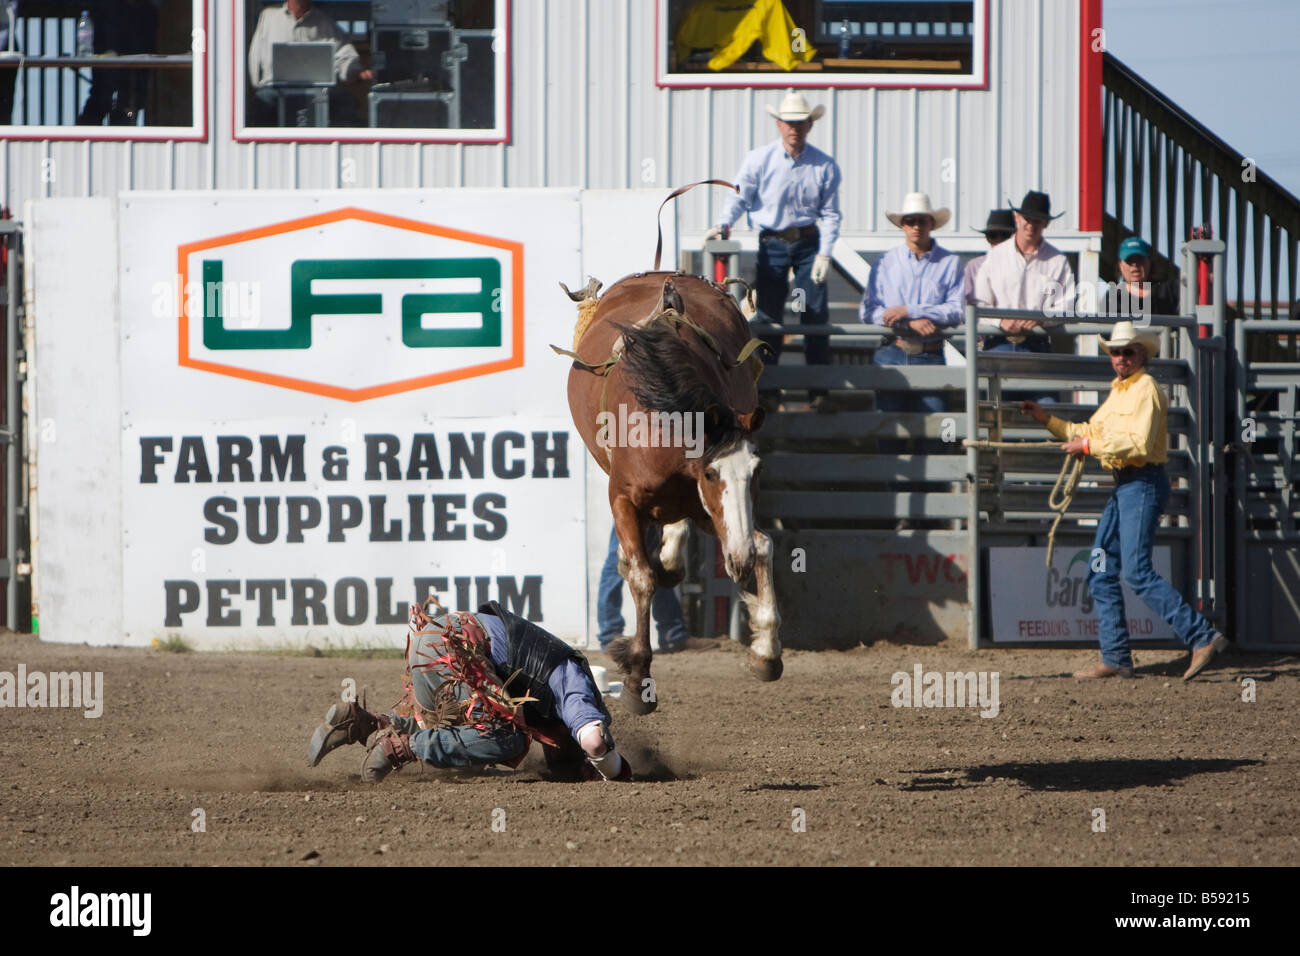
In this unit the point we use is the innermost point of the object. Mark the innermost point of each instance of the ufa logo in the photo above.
(352, 304)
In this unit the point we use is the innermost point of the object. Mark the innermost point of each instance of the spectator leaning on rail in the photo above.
(916, 291)
(1028, 273)
(1128, 434)
(1135, 295)
(791, 191)
(998, 229)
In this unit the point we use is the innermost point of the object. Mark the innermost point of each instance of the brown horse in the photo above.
(672, 353)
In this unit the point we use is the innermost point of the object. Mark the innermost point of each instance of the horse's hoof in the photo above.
(763, 668)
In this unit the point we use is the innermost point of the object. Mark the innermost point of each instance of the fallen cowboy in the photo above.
(478, 689)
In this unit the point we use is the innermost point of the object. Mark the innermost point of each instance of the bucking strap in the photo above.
(659, 243)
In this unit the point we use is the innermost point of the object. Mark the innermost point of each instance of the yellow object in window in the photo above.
(730, 28)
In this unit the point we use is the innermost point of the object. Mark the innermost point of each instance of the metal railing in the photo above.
(1014, 497)
(1163, 173)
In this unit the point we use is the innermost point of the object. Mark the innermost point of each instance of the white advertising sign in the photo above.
(273, 528)
(279, 417)
(1031, 602)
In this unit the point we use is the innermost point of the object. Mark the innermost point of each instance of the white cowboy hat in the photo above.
(918, 204)
(795, 108)
(1126, 333)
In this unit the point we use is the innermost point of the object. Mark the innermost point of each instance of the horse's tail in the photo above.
(587, 300)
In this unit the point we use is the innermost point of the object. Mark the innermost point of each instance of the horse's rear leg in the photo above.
(764, 658)
(633, 655)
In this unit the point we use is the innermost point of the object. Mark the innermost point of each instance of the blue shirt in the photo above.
(930, 287)
(779, 192)
(573, 691)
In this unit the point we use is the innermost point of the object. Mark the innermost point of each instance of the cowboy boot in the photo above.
(386, 750)
(347, 722)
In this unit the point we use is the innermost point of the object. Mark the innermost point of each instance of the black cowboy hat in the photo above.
(1036, 205)
(1000, 222)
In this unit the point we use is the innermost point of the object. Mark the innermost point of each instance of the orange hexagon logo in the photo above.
(352, 304)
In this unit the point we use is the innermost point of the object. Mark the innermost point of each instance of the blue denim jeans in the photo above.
(908, 401)
(1126, 535)
(665, 608)
(461, 746)
(775, 258)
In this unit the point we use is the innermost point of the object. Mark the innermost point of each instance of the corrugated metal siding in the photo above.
(585, 112)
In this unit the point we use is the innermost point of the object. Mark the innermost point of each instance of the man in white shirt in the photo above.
(1028, 273)
(299, 22)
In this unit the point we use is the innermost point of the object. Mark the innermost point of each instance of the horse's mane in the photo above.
(661, 374)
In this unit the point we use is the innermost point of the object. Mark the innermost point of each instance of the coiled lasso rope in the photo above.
(1067, 482)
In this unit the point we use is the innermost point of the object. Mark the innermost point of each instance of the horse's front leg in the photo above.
(633, 655)
(764, 658)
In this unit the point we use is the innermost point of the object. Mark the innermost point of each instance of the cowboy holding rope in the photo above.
(1128, 434)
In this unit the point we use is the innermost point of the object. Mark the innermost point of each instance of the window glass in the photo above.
(822, 42)
(353, 69)
(105, 69)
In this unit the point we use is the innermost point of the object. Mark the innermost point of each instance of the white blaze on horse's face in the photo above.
(725, 492)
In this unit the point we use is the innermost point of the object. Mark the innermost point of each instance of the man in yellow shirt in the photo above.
(1128, 434)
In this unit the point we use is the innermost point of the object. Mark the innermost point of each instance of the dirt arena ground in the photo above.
(1185, 774)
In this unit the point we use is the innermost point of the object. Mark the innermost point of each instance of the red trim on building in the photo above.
(1091, 49)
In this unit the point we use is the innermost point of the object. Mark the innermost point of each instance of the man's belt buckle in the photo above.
(910, 346)
(1016, 339)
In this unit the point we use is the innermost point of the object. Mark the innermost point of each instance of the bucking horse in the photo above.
(658, 345)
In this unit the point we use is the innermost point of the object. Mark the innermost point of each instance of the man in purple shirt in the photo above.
(791, 192)
(916, 291)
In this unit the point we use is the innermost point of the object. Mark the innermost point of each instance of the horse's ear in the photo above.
(712, 418)
(753, 421)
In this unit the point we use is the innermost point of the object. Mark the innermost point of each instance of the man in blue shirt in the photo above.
(916, 291)
(791, 192)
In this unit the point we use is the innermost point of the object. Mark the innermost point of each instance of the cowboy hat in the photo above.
(1126, 333)
(794, 108)
(918, 204)
(1035, 205)
(999, 223)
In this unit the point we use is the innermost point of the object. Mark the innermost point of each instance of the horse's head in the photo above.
(727, 478)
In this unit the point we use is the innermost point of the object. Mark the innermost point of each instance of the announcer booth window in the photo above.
(836, 43)
(372, 70)
(103, 69)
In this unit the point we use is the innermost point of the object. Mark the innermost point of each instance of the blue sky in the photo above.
(1232, 64)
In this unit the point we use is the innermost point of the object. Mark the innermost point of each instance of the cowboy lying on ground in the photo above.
(478, 689)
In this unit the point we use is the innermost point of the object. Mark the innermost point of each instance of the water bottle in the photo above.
(85, 35)
(844, 39)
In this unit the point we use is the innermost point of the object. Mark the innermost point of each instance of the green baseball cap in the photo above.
(1133, 246)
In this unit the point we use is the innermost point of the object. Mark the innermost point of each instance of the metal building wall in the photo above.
(585, 111)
